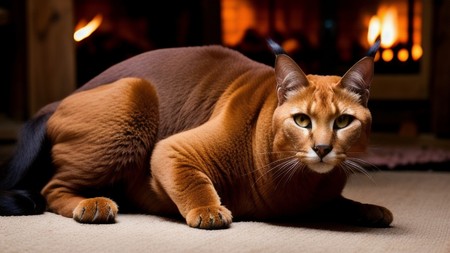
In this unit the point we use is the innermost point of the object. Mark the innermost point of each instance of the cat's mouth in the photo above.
(321, 167)
(323, 164)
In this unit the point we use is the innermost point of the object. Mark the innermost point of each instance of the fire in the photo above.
(386, 27)
(392, 29)
(374, 29)
(83, 30)
(389, 28)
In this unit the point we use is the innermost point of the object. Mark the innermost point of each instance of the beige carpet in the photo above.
(420, 202)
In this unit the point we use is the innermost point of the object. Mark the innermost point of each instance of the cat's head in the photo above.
(320, 120)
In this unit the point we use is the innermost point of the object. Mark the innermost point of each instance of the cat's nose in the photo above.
(322, 150)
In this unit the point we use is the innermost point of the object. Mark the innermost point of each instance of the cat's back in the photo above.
(188, 80)
(189, 65)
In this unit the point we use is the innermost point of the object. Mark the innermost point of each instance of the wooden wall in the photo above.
(440, 95)
(51, 53)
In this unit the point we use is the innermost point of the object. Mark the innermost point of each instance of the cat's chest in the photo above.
(285, 198)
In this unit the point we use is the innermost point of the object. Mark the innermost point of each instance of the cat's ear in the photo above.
(289, 76)
(358, 79)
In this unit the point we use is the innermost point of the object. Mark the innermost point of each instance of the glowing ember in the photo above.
(85, 30)
(416, 52)
(387, 55)
(403, 55)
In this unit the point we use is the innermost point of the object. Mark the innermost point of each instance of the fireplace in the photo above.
(324, 37)
(125, 28)
(328, 36)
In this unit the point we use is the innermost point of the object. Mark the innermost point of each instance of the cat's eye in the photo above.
(302, 120)
(343, 121)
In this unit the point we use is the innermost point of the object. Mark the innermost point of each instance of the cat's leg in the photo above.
(102, 140)
(68, 202)
(182, 174)
(360, 214)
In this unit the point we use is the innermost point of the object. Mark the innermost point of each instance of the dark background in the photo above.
(327, 43)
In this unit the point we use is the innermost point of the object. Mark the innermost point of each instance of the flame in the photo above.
(389, 28)
(385, 26)
(83, 30)
(374, 29)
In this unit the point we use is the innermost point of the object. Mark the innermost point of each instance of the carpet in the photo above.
(420, 202)
(393, 152)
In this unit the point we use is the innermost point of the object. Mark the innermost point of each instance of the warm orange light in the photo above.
(387, 55)
(403, 55)
(237, 17)
(88, 29)
(290, 45)
(377, 56)
(374, 29)
(389, 28)
(416, 52)
(385, 25)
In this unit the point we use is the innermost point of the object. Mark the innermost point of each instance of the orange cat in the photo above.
(203, 132)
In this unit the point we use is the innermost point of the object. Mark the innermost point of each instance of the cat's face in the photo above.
(320, 120)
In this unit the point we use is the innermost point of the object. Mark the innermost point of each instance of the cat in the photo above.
(202, 133)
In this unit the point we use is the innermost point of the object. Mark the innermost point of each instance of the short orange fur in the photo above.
(211, 135)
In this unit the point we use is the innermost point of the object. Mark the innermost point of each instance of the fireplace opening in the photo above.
(328, 37)
(324, 37)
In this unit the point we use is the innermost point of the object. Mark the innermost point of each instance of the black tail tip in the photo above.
(276, 48)
(21, 202)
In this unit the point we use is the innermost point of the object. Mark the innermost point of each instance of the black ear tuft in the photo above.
(276, 48)
(374, 48)
(288, 74)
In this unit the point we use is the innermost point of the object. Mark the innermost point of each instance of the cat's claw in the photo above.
(209, 217)
(96, 210)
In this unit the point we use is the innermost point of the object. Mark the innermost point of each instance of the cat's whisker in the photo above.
(285, 171)
(354, 167)
(295, 168)
(281, 160)
(364, 163)
(277, 152)
(268, 168)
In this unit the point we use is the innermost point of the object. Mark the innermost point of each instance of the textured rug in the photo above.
(420, 202)
(393, 152)
(408, 157)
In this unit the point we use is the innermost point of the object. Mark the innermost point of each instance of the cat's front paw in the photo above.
(374, 216)
(96, 210)
(209, 217)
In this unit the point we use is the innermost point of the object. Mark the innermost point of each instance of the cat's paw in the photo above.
(209, 217)
(374, 216)
(96, 210)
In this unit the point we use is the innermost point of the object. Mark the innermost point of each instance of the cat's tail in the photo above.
(26, 172)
